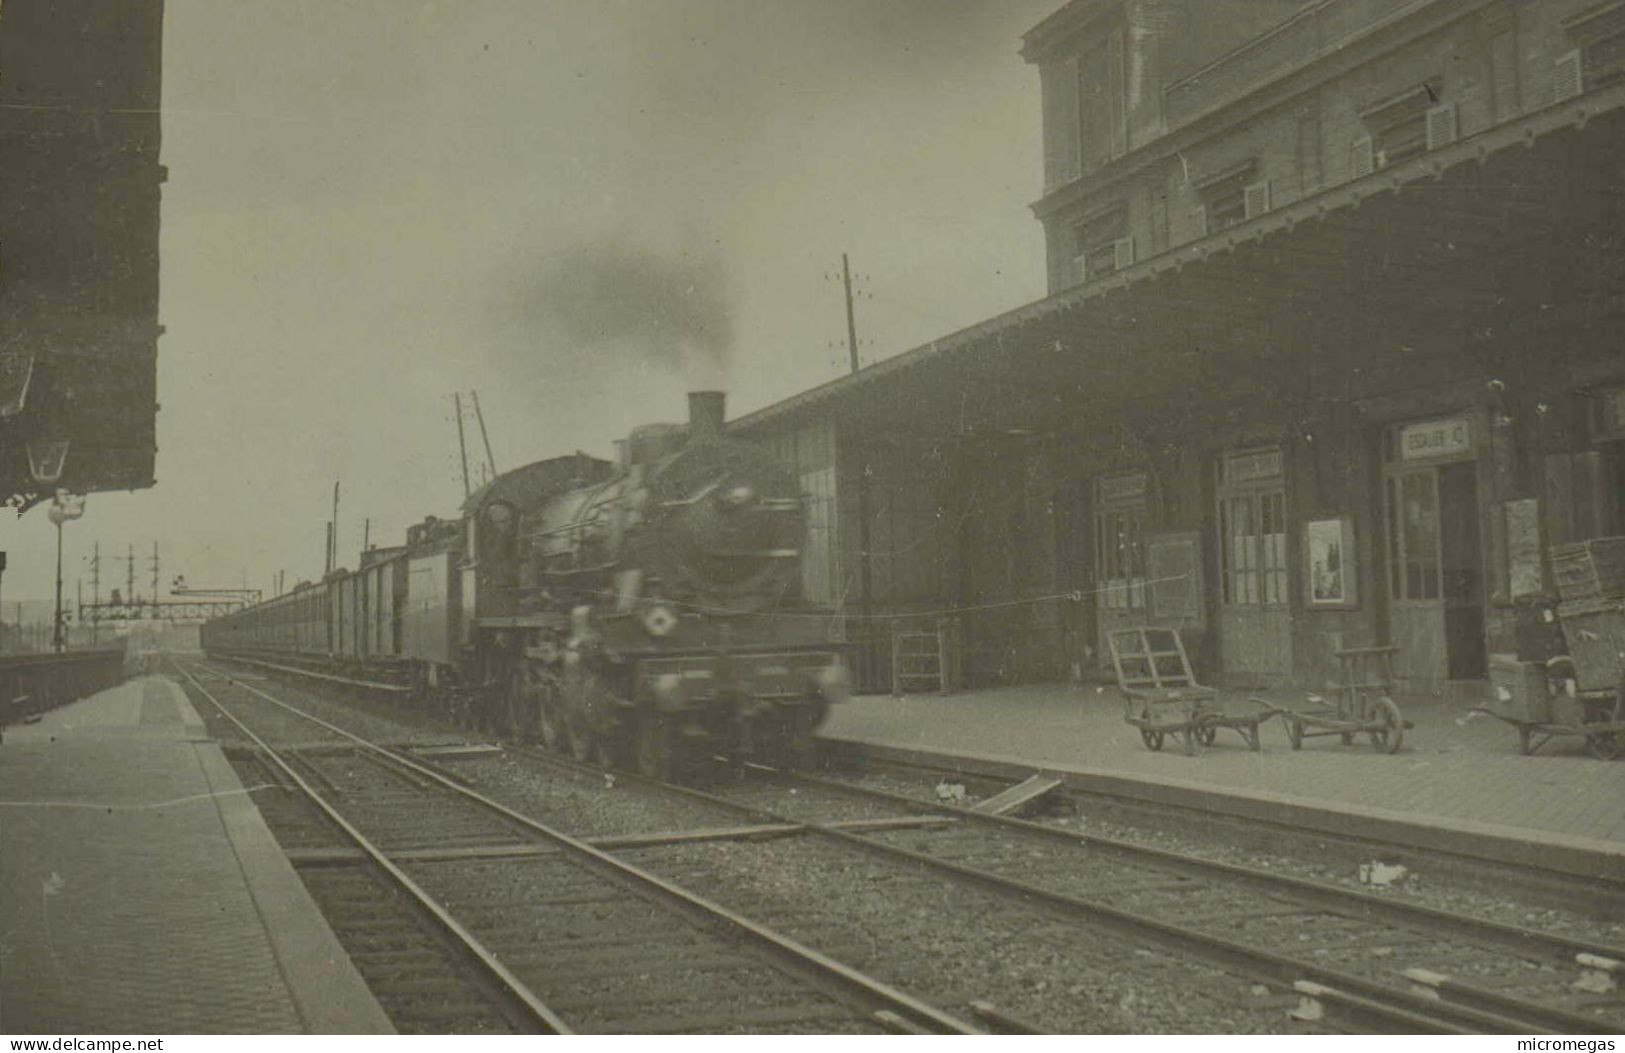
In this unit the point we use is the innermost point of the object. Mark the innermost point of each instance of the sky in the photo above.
(580, 209)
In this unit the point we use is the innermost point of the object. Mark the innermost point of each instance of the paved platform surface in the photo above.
(1454, 770)
(141, 892)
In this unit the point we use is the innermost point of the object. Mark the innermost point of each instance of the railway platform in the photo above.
(141, 892)
(1458, 782)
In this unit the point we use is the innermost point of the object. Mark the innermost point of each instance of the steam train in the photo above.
(645, 612)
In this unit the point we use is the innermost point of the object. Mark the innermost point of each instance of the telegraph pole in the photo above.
(490, 461)
(462, 445)
(129, 585)
(864, 571)
(95, 594)
(155, 576)
(333, 560)
(851, 325)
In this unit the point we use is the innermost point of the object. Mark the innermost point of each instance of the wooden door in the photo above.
(1255, 615)
(1416, 611)
(1122, 515)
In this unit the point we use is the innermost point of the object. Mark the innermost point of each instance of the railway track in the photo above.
(1370, 961)
(561, 935)
(1344, 949)
(1121, 807)
(1356, 960)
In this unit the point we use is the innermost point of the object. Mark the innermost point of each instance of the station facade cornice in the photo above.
(1280, 87)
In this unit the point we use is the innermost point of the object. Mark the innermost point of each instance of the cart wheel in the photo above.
(1390, 729)
(1152, 739)
(1603, 745)
(1206, 733)
(1526, 739)
(1294, 733)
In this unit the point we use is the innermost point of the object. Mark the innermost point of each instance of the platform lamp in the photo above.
(64, 506)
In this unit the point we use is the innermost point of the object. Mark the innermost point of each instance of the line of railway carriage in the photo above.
(647, 611)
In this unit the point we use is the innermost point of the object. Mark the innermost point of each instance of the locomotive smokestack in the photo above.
(707, 410)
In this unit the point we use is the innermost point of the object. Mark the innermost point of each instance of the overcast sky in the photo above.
(579, 208)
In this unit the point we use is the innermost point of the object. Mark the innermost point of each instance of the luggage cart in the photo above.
(1591, 701)
(1362, 704)
(1162, 698)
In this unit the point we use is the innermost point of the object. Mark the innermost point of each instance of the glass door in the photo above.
(1435, 570)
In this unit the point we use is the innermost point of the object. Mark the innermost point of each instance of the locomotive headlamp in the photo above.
(740, 496)
(833, 683)
(659, 620)
(668, 691)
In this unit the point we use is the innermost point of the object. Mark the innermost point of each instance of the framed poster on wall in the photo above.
(1332, 578)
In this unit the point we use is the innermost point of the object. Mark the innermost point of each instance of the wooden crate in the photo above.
(1589, 569)
(1520, 689)
(1595, 633)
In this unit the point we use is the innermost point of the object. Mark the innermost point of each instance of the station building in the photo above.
(1333, 353)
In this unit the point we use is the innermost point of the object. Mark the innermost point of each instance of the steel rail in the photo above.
(512, 987)
(293, 670)
(1408, 1011)
(1604, 890)
(1471, 1003)
(1371, 906)
(850, 979)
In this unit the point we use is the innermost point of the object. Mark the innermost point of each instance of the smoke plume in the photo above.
(670, 311)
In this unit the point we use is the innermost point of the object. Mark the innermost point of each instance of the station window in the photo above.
(1122, 503)
(1100, 245)
(1253, 529)
(1224, 197)
(1600, 56)
(1399, 123)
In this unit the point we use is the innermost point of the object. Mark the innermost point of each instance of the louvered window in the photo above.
(1599, 58)
(1362, 157)
(1568, 76)
(1441, 125)
(1256, 199)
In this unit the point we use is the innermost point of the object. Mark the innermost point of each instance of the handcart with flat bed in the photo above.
(1362, 703)
(1580, 693)
(1163, 699)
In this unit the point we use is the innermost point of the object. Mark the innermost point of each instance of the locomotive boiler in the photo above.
(650, 610)
(645, 610)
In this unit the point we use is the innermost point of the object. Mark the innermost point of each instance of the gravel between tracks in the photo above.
(1415, 887)
(954, 945)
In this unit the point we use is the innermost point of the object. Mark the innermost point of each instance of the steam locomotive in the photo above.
(645, 612)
